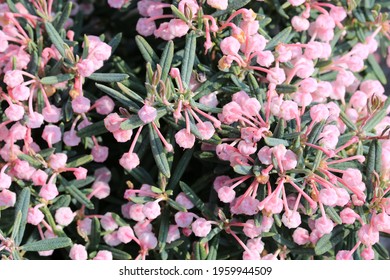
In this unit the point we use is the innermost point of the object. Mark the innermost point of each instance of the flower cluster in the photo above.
(271, 136)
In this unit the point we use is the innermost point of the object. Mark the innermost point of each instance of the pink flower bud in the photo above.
(78, 252)
(136, 212)
(81, 104)
(71, 139)
(145, 27)
(209, 100)
(338, 13)
(84, 226)
(324, 225)
(112, 239)
(13, 78)
(178, 27)
(147, 114)
(368, 254)
(319, 112)
(184, 201)
(64, 216)
(265, 58)
(191, 4)
(108, 222)
(51, 114)
(276, 76)
(7, 198)
(226, 194)
(265, 155)
(5, 181)
(58, 161)
(80, 173)
(104, 105)
(122, 136)
(129, 161)
(103, 255)
(299, 23)
(328, 197)
(184, 219)
(206, 129)
(201, 227)
(344, 255)
(296, 2)
(35, 120)
(184, 139)
(251, 255)
(348, 216)
(151, 210)
(230, 46)
(101, 189)
(291, 219)
(251, 230)
(34, 216)
(301, 236)
(14, 112)
(148, 240)
(21, 92)
(368, 235)
(99, 153)
(173, 234)
(39, 177)
(125, 234)
(49, 191)
(51, 134)
(117, 4)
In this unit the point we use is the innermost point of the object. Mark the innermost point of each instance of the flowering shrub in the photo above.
(238, 130)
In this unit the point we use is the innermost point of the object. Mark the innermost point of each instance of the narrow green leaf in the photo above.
(16, 225)
(188, 58)
(199, 251)
(166, 60)
(377, 69)
(164, 227)
(65, 15)
(31, 160)
(115, 41)
(180, 169)
(108, 77)
(117, 95)
(374, 120)
(347, 121)
(195, 199)
(94, 237)
(214, 232)
(159, 154)
(51, 80)
(270, 141)
(332, 213)
(55, 38)
(79, 196)
(141, 175)
(243, 169)
(213, 248)
(80, 161)
(22, 206)
(284, 88)
(329, 241)
(130, 93)
(147, 51)
(178, 13)
(94, 129)
(176, 205)
(381, 251)
(61, 201)
(141, 199)
(281, 37)
(47, 244)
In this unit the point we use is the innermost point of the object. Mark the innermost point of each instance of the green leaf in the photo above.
(178, 13)
(79, 196)
(180, 169)
(347, 121)
(61, 201)
(374, 120)
(381, 251)
(166, 60)
(114, 42)
(116, 253)
(80, 161)
(176, 205)
(130, 93)
(284, 88)
(270, 141)
(199, 251)
(377, 69)
(332, 213)
(141, 199)
(213, 248)
(94, 237)
(159, 154)
(188, 58)
(65, 15)
(108, 77)
(16, 225)
(47, 244)
(22, 206)
(31, 160)
(373, 163)
(283, 241)
(141, 175)
(94, 129)
(164, 227)
(55, 38)
(242, 169)
(214, 232)
(51, 80)
(329, 241)
(281, 37)
(195, 199)
(118, 96)
(147, 51)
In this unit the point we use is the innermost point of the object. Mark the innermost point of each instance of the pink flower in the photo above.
(125, 234)
(296, 2)
(104, 105)
(184, 219)
(64, 216)
(148, 240)
(145, 27)
(344, 255)
(299, 23)
(51, 134)
(151, 210)
(178, 27)
(5, 181)
(35, 216)
(108, 223)
(319, 112)
(58, 161)
(218, 4)
(184, 139)
(226, 194)
(13, 78)
(301, 236)
(328, 197)
(51, 114)
(201, 227)
(147, 114)
(14, 112)
(39, 177)
(81, 104)
(99, 153)
(184, 201)
(324, 225)
(7, 198)
(251, 230)
(368, 235)
(48, 191)
(117, 4)
(78, 252)
(101, 189)
(206, 129)
(291, 219)
(230, 46)
(129, 161)
(136, 212)
(21, 92)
